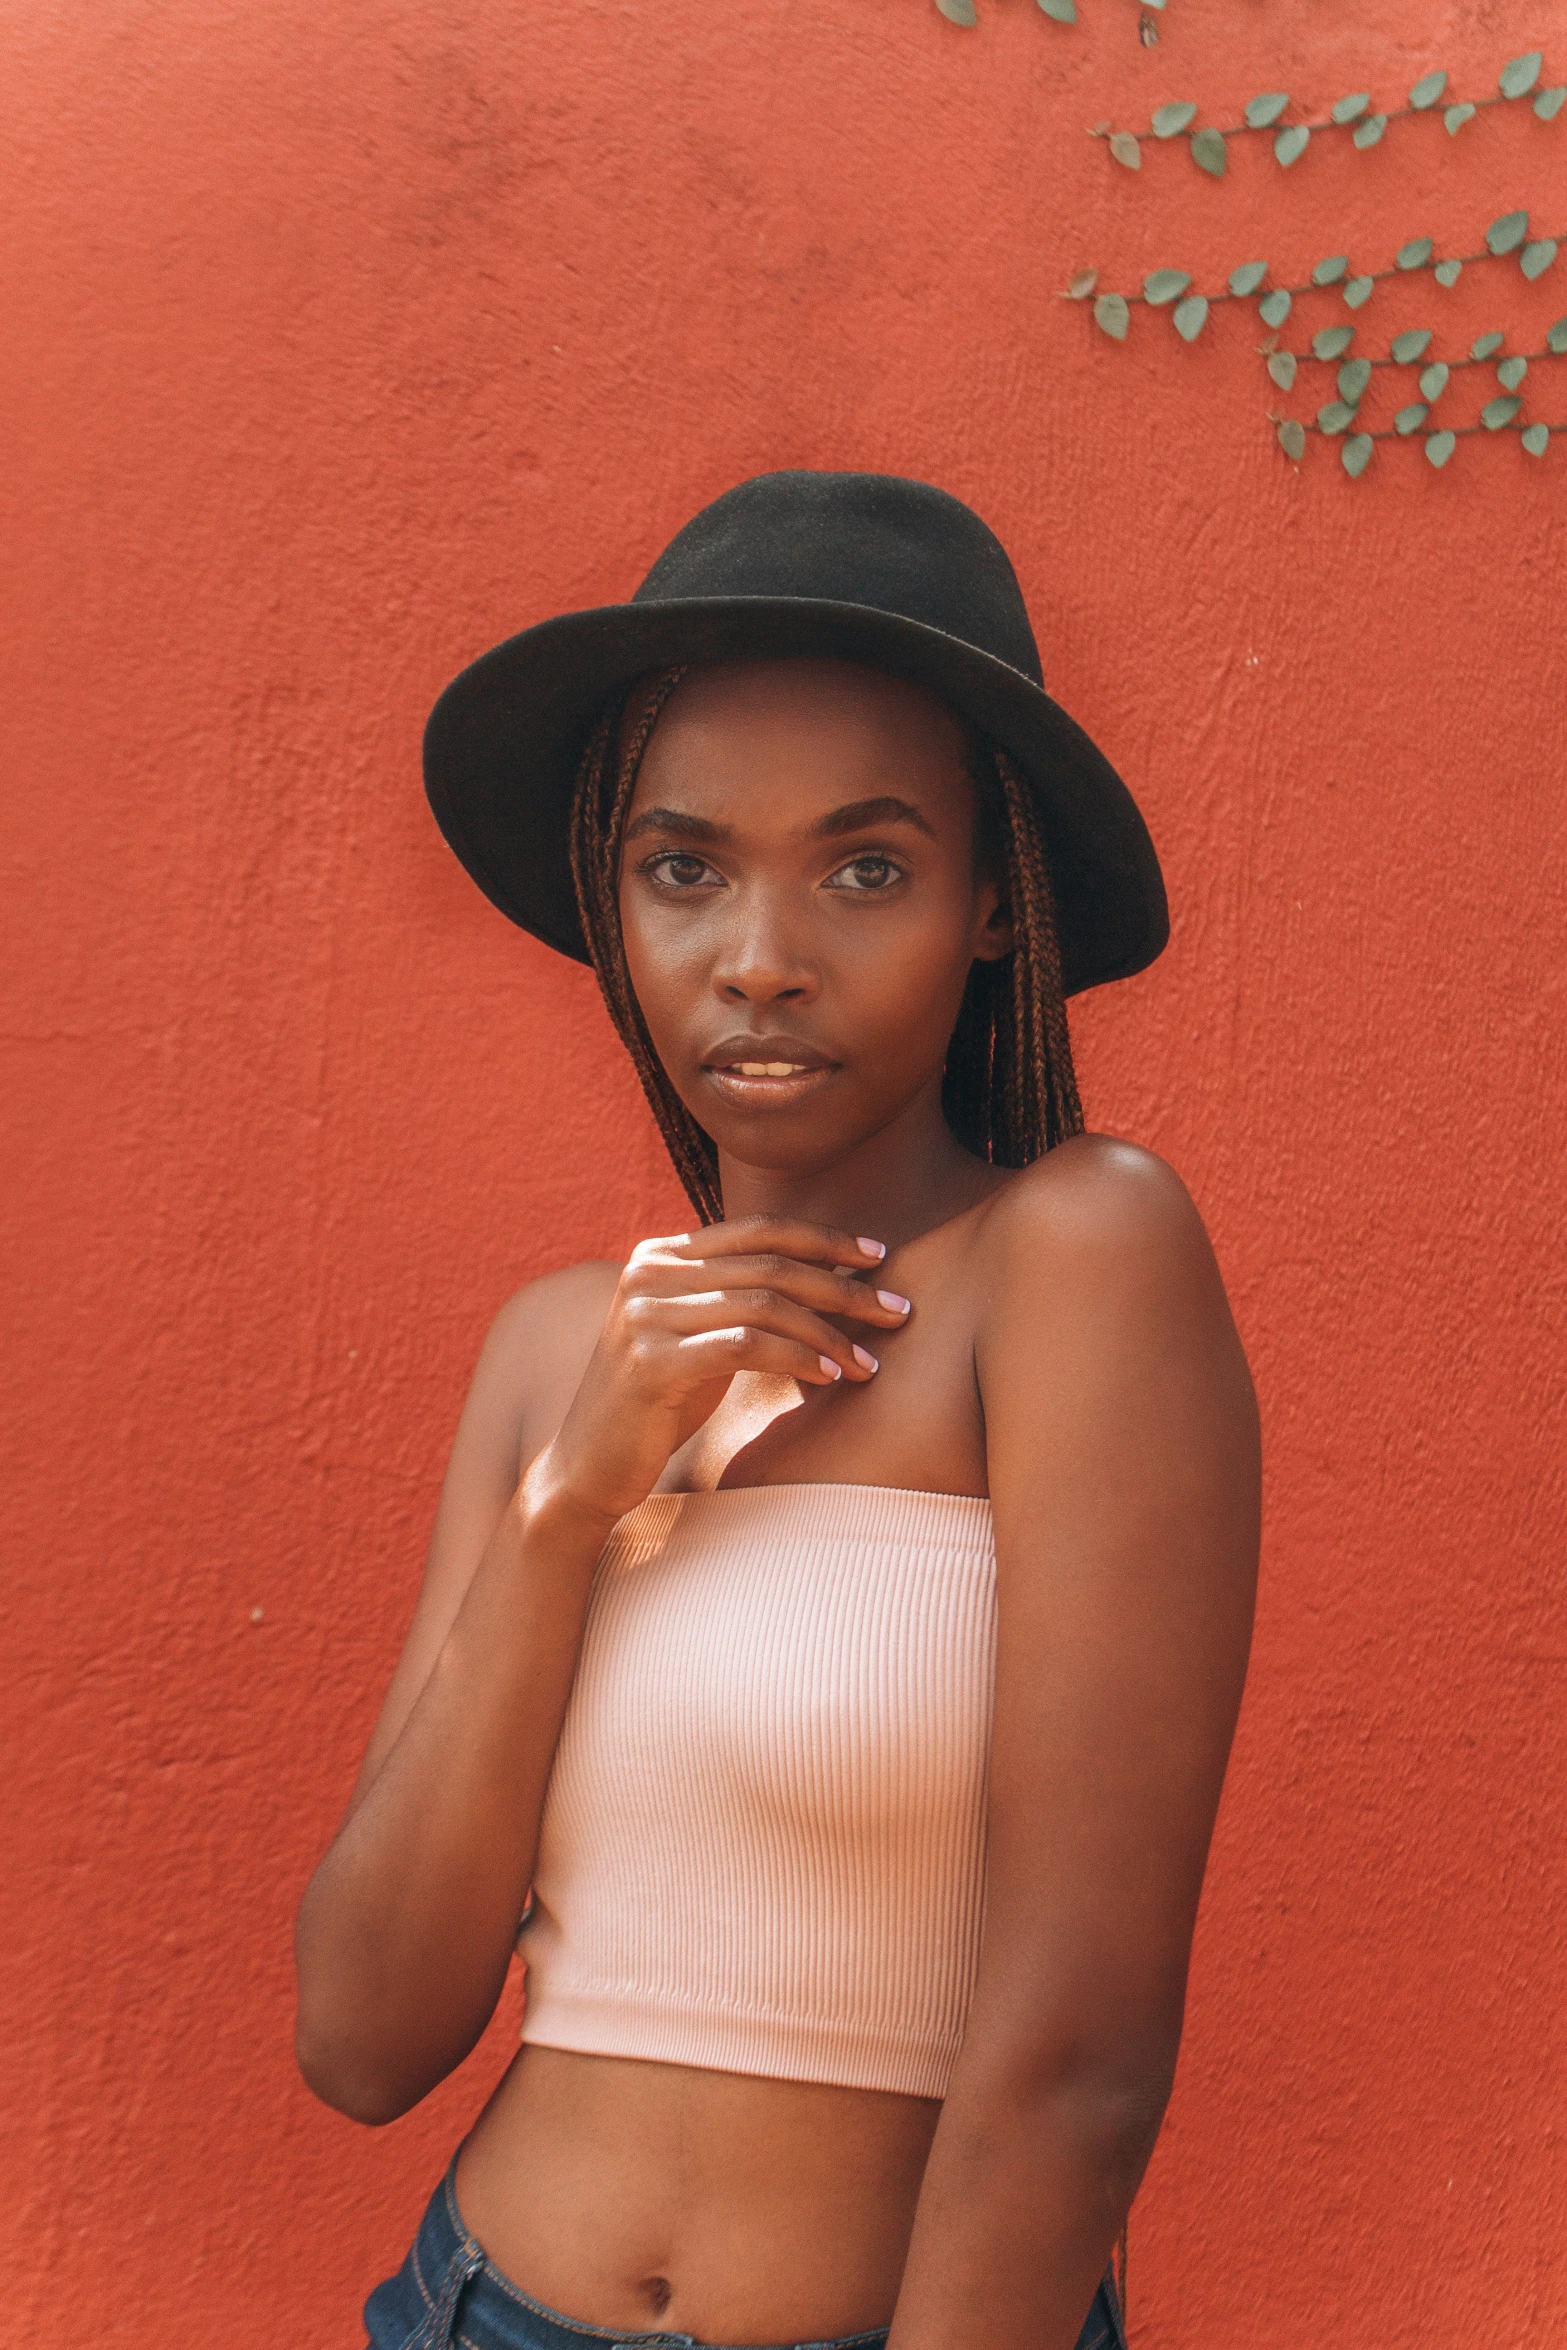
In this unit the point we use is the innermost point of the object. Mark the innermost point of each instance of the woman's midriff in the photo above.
(732, 2208)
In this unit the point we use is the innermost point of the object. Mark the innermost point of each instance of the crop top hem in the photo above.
(609, 2020)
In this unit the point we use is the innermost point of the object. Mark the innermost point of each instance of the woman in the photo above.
(837, 1615)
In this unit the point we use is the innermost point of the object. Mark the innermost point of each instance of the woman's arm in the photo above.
(1121, 1433)
(407, 1927)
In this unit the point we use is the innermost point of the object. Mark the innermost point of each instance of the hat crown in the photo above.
(872, 539)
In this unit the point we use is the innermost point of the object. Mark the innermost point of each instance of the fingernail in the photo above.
(873, 1248)
(865, 1361)
(832, 1369)
(892, 1301)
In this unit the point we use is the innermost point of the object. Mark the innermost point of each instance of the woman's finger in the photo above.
(718, 1354)
(755, 1309)
(785, 1236)
(821, 1288)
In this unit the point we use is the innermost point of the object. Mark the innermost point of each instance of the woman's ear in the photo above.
(996, 937)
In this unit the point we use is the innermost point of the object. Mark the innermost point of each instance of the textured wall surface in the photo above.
(345, 340)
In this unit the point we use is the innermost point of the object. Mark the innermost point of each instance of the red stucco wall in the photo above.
(347, 339)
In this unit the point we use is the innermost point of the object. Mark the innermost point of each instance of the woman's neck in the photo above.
(911, 1176)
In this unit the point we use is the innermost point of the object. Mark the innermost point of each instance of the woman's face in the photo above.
(801, 904)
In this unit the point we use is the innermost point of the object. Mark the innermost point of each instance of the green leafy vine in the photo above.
(1172, 288)
(1331, 346)
(1354, 114)
(963, 12)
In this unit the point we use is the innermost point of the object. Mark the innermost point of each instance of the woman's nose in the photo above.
(763, 960)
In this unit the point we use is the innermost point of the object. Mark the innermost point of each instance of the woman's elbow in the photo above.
(349, 2082)
(1108, 2094)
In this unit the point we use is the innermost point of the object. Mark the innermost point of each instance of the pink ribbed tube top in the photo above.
(763, 1840)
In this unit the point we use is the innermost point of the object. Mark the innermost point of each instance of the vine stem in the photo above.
(1311, 286)
(1261, 130)
(1310, 358)
(1460, 432)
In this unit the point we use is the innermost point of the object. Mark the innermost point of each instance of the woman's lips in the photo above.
(767, 1083)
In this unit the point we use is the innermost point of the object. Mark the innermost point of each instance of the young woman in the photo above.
(837, 1614)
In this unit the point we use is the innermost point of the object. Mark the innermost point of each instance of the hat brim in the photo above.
(504, 742)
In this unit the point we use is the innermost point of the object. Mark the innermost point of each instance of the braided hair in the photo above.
(1008, 1090)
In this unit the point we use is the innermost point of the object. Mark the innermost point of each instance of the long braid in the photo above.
(1008, 1091)
(1045, 1107)
(598, 824)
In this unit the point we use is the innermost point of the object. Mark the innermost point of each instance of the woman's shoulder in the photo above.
(1102, 1210)
(1092, 1182)
(539, 1342)
(562, 1303)
(1102, 1308)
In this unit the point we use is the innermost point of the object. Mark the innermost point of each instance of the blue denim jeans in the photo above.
(447, 2296)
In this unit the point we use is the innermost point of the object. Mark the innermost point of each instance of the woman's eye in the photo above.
(679, 869)
(866, 876)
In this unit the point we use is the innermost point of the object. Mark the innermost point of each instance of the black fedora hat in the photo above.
(867, 567)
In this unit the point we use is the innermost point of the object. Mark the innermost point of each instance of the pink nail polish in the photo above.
(892, 1301)
(865, 1361)
(873, 1248)
(832, 1369)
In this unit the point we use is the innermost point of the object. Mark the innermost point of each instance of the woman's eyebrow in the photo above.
(859, 813)
(674, 820)
(854, 816)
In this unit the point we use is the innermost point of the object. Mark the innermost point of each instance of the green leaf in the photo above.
(1126, 150)
(1248, 277)
(1535, 259)
(1519, 74)
(1499, 412)
(1111, 313)
(1346, 109)
(1082, 285)
(1536, 439)
(1440, 446)
(1274, 307)
(1433, 380)
(1291, 142)
(1548, 106)
(1169, 121)
(1415, 254)
(1367, 133)
(1163, 285)
(957, 11)
(1358, 290)
(1556, 336)
(1410, 419)
(1335, 416)
(1353, 378)
(1355, 455)
(1266, 109)
(1456, 116)
(1427, 91)
(1281, 366)
(1328, 273)
(1484, 345)
(1292, 438)
(1060, 11)
(1512, 371)
(1448, 273)
(1331, 342)
(1208, 149)
(1189, 316)
(1410, 346)
(1507, 232)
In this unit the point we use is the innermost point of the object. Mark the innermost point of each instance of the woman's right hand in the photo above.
(688, 1313)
